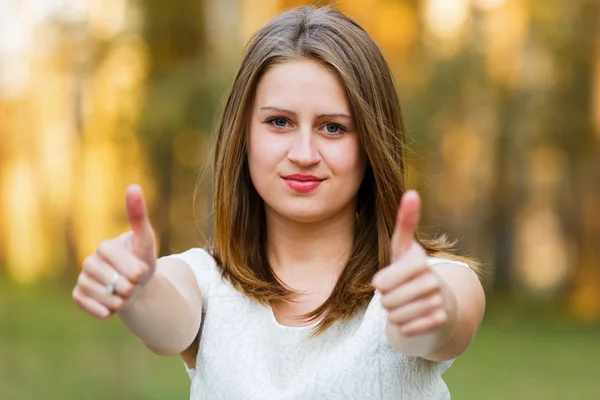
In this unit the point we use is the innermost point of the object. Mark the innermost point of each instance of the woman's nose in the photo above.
(303, 149)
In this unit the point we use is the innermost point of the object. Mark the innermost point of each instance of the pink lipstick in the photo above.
(302, 183)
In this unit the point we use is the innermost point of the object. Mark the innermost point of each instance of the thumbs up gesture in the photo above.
(120, 267)
(415, 296)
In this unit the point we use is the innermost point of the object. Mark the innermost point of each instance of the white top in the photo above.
(245, 353)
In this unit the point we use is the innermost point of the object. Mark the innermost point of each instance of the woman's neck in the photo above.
(301, 252)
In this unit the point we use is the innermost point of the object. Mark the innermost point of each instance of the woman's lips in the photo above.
(302, 186)
(302, 183)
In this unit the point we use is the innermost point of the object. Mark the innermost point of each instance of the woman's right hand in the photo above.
(116, 273)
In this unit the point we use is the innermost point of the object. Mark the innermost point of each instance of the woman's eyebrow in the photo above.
(283, 110)
(328, 115)
(335, 115)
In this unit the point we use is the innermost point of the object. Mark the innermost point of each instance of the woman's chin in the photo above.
(308, 212)
(301, 216)
(305, 217)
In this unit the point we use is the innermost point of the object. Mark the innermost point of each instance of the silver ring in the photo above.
(110, 288)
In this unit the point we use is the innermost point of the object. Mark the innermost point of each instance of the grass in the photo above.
(528, 360)
(49, 349)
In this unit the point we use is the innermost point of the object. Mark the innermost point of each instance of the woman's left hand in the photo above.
(417, 299)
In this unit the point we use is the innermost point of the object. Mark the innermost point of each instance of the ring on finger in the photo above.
(110, 288)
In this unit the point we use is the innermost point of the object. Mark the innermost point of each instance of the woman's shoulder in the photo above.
(431, 261)
(194, 255)
(197, 258)
(203, 265)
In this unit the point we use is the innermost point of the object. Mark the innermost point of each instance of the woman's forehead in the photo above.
(302, 84)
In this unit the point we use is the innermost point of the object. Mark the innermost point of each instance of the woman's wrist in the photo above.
(141, 295)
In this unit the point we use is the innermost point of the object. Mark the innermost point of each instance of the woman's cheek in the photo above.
(346, 161)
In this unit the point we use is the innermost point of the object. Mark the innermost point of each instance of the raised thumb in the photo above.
(143, 237)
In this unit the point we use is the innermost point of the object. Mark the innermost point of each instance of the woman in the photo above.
(316, 286)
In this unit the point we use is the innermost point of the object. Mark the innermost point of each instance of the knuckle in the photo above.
(106, 316)
(104, 247)
(440, 317)
(138, 271)
(437, 300)
(386, 301)
(86, 281)
(118, 303)
(142, 266)
(127, 291)
(393, 319)
(85, 284)
(101, 247)
(81, 280)
(432, 283)
(137, 275)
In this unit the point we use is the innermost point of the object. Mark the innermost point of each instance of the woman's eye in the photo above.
(333, 129)
(278, 122)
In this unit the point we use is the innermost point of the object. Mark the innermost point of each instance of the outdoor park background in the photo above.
(502, 104)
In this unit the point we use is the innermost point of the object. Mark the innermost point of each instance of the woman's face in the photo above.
(304, 154)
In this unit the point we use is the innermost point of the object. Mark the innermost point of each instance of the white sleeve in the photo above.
(204, 267)
(431, 261)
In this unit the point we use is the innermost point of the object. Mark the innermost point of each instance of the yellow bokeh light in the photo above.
(445, 19)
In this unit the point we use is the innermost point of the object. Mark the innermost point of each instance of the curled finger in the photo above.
(426, 283)
(120, 257)
(99, 292)
(416, 309)
(425, 324)
(91, 306)
(98, 269)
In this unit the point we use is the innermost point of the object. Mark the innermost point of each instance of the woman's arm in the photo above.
(158, 300)
(166, 314)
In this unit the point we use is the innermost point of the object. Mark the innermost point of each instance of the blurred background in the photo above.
(501, 100)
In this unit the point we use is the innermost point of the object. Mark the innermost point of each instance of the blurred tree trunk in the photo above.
(174, 34)
(581, 137)
(502, 198)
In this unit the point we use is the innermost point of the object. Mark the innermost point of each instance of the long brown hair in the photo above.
(239, 247)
